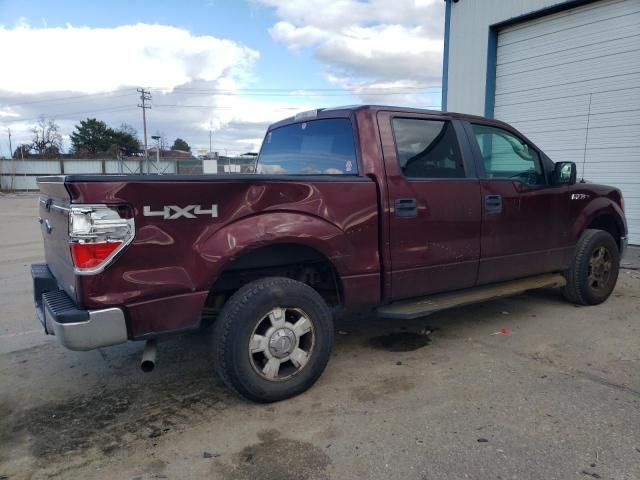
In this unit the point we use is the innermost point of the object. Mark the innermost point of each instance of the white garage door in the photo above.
(571, 82)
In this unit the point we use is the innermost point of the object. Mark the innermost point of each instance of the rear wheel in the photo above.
(594, 272)
(273, 339)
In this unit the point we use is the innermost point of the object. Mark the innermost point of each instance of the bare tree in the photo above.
(46, 137)
(126, 128)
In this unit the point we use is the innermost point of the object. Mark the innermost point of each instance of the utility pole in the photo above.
(145, 96)
(10, 148)
(210, 148)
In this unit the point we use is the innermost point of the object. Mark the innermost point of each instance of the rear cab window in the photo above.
(316, 147)
(427, 148)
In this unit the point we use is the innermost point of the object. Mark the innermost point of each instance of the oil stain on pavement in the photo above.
(110, 419)
(400, 341)
(275, 456)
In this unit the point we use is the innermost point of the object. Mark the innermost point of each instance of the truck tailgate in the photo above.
(54, 224)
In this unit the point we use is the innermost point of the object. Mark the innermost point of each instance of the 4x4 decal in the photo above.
(172, 212)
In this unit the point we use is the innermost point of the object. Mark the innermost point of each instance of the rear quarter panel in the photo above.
(181, 258)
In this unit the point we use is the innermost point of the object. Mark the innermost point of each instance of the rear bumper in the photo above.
(74, 327)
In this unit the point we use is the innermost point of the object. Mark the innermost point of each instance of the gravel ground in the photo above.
(436, 398)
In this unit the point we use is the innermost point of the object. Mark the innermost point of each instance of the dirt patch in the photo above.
(277, 457)
(111, 419)
(400, 341)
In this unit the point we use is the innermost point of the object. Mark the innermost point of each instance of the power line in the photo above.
(67, 115)
(50, 100)
(212, 107)
(305, 89)
(249, 92)
(73, 115)
(294, 94)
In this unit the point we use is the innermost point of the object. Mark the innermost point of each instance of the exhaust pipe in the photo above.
(148, 361)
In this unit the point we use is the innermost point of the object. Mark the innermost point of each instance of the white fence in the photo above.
(22, 174)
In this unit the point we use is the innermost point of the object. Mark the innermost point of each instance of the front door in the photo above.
(434, 204)
(524, 230)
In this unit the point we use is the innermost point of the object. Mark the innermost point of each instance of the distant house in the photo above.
(565, 73)
(169, 154)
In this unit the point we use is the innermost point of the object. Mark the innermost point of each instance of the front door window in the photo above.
(506, 156)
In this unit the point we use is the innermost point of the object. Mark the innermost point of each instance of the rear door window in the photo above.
(427, 148)
(317, 147)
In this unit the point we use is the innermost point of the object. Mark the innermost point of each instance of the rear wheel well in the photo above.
(609, 224)
(295, 261)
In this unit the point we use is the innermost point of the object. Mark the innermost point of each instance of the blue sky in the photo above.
(245, 22)
(211, 64)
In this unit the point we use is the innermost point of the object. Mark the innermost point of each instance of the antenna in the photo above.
(586, 138)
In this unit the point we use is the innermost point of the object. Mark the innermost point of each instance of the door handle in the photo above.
(406, 207)
(493, 204)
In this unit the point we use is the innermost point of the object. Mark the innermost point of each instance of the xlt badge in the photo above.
(579, 196)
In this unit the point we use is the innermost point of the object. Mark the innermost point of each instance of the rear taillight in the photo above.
(96, 234)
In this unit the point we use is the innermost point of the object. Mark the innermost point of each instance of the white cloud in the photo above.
(72, 73)
(298, 37)
(90, 60)
(93, 72)
(388, 52)
(366, 43)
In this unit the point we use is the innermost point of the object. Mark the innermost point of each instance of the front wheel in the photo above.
(594, 271)
(273, 339)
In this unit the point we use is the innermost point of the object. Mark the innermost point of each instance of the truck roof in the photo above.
(348, 110)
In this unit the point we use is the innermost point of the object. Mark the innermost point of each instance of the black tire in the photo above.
(252, 307)
(587, 282)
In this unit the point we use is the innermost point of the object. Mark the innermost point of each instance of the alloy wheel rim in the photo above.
(600, 266)
(281, 343)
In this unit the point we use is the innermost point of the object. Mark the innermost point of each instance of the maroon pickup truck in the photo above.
(398, 210)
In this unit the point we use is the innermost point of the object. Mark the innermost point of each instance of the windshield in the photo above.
(316, 147)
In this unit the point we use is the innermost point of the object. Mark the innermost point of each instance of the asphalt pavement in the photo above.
(529, 387)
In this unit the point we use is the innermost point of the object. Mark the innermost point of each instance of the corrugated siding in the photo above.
(22, 174)
(126, 167)
(18, 182)
(83, 166)
(470, 21)
(558, 74)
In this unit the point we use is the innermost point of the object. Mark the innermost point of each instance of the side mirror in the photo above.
(564, 173)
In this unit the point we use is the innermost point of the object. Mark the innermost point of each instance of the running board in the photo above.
(421, 307)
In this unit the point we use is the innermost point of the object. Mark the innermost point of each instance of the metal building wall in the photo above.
(468, 39)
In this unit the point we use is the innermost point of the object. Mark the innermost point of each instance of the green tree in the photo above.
(125, 139)
(180, 144)
(91, 136)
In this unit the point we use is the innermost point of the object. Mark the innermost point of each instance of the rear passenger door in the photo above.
(434, 204)
(524, 222)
